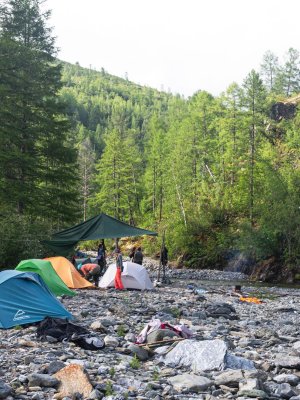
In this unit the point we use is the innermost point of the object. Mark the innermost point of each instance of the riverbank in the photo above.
(260, 344)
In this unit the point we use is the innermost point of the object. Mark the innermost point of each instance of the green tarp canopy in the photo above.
(100, 227)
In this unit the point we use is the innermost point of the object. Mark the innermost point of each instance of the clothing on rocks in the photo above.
(63, 330)
(155, 324)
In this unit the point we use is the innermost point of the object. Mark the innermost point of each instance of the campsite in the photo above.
(149, 200)
(251, 354)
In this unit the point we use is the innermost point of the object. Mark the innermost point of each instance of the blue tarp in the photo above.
(25, 298)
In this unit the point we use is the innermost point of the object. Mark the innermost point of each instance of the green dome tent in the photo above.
(47, 273)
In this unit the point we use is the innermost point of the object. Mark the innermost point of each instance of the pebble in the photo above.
(261, 342)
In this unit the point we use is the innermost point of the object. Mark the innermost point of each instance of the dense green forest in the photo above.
(216, 174)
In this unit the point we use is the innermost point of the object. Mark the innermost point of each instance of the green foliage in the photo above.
(112, 372)
(155, 374)
(121, 331)
(215, 174)
(135, 362)
(37, 155)
(176, 312)
(109, 389)
(20, 239)
(18, 327)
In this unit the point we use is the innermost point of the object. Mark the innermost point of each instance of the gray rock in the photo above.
(249, 384)
(287, 361)
(287, 378)
(141, 353)
(55, 366)
(285, 391)
(160, 334)
(5, 390)
(130, 337)
(234, 362)
(189, 383)
(42, 380)
(199, 356)
(229, 378)
(253, 394)
(96, 395)
(111, 341)
(107, 322)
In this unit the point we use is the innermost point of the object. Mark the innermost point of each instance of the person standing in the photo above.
(138, 256)
(131, 254)
(119, 264)
(101, 257)
(164, 256)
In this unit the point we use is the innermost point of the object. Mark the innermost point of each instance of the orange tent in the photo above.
(68, 273)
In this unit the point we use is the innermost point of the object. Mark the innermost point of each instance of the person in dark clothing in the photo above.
(101, 257)
(164, 256)
(131, 254)
(138, 256)
(164, 262)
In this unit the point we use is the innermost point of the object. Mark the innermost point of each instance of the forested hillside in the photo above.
(216, 174)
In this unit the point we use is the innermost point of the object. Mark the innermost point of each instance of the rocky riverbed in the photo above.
(239, 350)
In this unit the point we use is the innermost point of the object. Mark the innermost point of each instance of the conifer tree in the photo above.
(37, 156)
(254, 102)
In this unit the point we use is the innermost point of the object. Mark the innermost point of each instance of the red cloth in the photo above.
(118, 280)
(86, 268)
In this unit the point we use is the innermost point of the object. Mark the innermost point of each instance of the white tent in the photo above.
(134, 276)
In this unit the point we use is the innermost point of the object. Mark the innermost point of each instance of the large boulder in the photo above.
(200, 356)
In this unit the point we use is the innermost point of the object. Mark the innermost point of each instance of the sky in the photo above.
(180, 46)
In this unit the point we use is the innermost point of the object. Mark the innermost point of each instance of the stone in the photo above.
(249, 384)
(96, 395)
(130, 337)
(260, 394)
(108, 322)
(296, 347)
(73, 380)
(287, 378)
(42, 380)
(55, 366)
(161, 334)
(287, 361)
(5, 390)
(234, 362)
(141, 353)
(98, 326)
(199, 356)
(230, 378)
(285, 391)
(111, 341)
(189, 383)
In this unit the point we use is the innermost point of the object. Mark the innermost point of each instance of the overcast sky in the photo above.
(177, 45)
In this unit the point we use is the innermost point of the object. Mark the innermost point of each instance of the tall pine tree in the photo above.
(37, 157)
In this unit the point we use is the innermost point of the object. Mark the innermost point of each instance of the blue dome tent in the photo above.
(25, 298)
